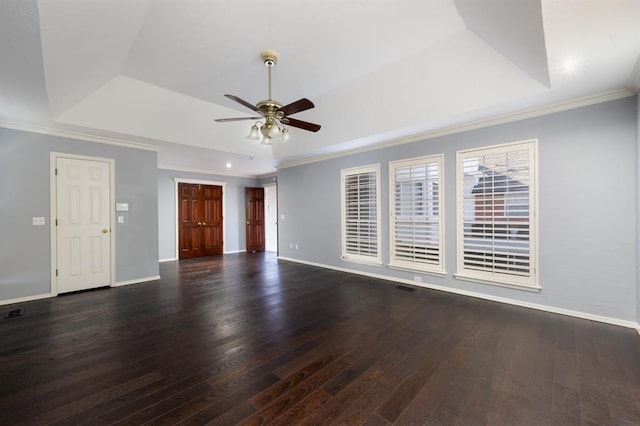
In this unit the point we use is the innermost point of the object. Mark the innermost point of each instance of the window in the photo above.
(496, 217)
(361, 214)
(415, 187)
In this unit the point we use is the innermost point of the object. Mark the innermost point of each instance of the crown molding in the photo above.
(473, 125)
(203, 171)
(633, 84)
(76, 135)
(268, 175)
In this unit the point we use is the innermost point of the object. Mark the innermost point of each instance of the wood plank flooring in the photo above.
(247, 339)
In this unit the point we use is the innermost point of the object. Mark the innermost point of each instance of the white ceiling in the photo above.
(155, 71)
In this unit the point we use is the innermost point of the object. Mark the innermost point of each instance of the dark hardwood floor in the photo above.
(247, 339)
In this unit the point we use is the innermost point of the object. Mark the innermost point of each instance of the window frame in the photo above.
(394, 260)
(530, 282)
(354, 257)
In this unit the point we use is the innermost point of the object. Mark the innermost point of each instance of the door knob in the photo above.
(105, 230)
(247, 222)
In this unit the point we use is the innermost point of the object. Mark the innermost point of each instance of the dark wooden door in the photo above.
(211, 220)
(254, 200)
(199, 220)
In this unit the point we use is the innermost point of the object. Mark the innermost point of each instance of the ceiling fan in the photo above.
(275, 115)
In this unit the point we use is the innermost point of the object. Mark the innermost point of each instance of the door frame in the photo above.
(53, 195)
(271, 185)
(176, 181)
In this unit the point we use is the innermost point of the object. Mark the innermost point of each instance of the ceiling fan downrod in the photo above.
(270, 58)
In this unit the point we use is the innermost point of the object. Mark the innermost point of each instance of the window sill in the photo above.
(362, 261)
(417, 271)
(532, 289)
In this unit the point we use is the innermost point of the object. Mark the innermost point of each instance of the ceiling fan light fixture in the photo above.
(273, 112)
(275, 131)
(253, 133)
(265, 131)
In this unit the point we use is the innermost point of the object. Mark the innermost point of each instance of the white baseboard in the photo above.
(167, 260)
(561, 311)
(26, 299)
(136, 281)
(235, 251)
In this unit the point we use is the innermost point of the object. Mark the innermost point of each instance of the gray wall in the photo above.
(587, 208)
(234, 210)
(638, 201)
(24, 192)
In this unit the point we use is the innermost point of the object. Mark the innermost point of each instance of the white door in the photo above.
(271, 218)
(83, 241)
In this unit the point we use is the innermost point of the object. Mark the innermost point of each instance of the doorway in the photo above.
(271, 218)
(199, 220)
(82, 243)
(254, 215)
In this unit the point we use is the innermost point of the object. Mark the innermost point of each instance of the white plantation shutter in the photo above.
(416, 189)
(496, 226)
(361, 214)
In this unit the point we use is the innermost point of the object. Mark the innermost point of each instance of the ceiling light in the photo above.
(268, 130)
(228, 165)
(272, 113)
(253, 133)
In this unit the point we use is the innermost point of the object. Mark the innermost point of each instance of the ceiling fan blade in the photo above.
(222, 120)
(297, 106)
(243, 102)
(312, 127)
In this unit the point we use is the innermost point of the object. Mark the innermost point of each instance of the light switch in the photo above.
(120, 219)
(281, 217)
(38, 221)
(122, 207)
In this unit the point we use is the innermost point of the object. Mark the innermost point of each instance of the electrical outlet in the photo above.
(418, 279)
(296, 247)
(290, 245)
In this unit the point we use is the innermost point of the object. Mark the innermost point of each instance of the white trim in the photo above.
(269, 175)
(167, 260)
(417, 271)
(176, 181)
(32, 128)
(137, 281)
(358, 258)
(235, 251)
(53, 188)
(403, 264)
(505, 300)
(360, 261)
(478, 124)
(633, 84)
(472, 279)
(200, 181)
(530, 282)
(203, 171)
(26, 299)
